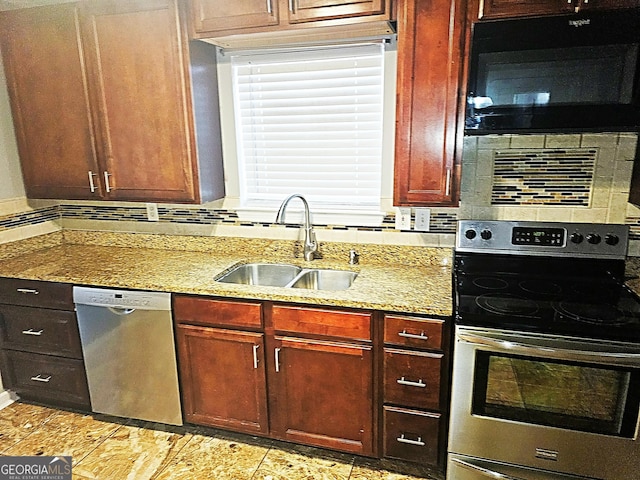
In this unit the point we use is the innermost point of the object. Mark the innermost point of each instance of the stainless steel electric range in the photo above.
(546, 364)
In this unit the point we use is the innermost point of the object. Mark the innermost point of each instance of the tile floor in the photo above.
(107, 448)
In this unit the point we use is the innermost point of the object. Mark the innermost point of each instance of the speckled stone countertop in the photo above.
(391, 278)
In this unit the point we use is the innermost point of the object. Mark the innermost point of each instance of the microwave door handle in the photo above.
(485, 472)
(612, 358)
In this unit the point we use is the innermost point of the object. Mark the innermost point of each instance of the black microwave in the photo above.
(565, 73)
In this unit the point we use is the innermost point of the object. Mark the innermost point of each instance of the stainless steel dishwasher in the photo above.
(129, 353)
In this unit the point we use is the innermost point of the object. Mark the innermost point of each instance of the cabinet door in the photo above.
(313, 10)
(49, 101)
(428, 133)
(606, 4)
(322, 394)
(223, 378)
(217, 16)
(520, 8)
(517, 8)
(136, 56)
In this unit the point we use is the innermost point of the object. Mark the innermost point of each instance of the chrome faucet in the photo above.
(310, 243)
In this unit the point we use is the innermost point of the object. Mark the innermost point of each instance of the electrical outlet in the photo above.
(403, 218)
(152, 212)
(423, 217)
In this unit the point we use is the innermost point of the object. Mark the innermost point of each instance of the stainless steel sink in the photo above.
(288, 276)
(317, 279)
(265, 274)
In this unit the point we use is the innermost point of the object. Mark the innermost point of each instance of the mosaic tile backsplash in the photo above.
(441, 222)
(543, 177)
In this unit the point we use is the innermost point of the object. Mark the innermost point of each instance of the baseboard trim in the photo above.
(7, 398)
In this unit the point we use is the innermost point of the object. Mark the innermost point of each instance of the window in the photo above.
(310, 121)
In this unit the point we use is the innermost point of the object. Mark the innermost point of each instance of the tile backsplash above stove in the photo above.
(555, 177)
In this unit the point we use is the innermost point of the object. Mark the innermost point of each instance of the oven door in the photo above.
(546, 402)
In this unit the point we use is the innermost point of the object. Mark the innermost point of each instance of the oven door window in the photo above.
(585, 397)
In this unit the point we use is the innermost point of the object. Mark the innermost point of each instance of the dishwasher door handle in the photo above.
(121, 310)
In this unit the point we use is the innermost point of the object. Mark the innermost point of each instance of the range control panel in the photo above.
(595, 240)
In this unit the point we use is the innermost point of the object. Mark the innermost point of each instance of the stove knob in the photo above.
(611, 239)
(577, 237)
(486, 234)
(593, 238)
(470, 234)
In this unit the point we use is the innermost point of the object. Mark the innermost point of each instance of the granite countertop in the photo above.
(398, 279)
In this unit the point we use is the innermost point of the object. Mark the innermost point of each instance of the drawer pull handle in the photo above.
(38, 378)
(409, 383)
(422, 336)
(417, 442)
(28, 290)
(31, 331)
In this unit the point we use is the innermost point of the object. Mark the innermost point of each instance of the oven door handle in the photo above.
(483, 470)
(549, 351)
(505, 472)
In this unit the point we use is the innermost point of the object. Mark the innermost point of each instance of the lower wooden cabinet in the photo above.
(41, 356)
(411, 434)
(46, 378)
(223, 378)
(322, 394)
(350, 380)
(415, 389)
(412, 378)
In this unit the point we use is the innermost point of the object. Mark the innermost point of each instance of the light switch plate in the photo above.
(152, 212)
(423, 218)
(403, 218)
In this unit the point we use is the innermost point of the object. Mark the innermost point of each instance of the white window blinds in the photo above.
(310, 122)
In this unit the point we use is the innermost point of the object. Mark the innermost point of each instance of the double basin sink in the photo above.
(288, 276)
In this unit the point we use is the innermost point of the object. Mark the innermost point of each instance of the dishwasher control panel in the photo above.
(102, 297)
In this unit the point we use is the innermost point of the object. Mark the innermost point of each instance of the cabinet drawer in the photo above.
(411, 435)
(40, 330)
(413, 332)
(412, 379)
(224, 313)
(34, 293)
(315, 321)
(47, 378)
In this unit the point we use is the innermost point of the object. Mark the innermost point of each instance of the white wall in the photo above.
(11, 185)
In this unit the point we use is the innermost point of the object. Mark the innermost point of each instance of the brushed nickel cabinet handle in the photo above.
(106, 181)
(28, 291)
(92, 185)
(277, 358)
(31, 331)
(291, 6)
(419, 383)
(255, 356)
(415, 336)
(269, 9)
(447, 188)
(38, 378)
(417, 442)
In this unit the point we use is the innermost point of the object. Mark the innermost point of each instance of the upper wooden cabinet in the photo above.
(102, 103)
(429, 131)
(516, 8)
(211, 18)
(42, 56)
